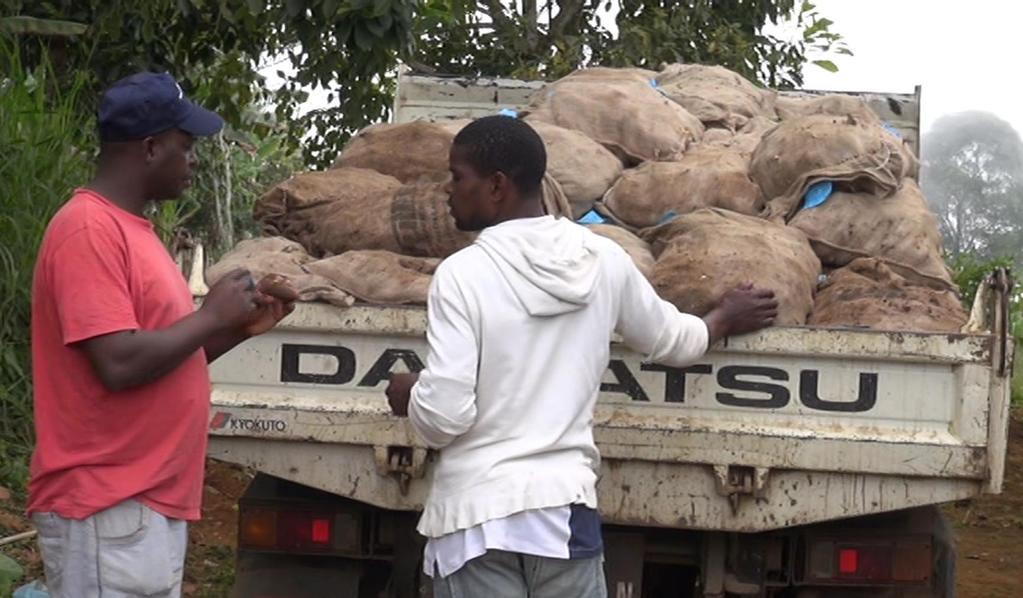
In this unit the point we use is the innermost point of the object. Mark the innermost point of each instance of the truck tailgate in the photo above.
(779, 428)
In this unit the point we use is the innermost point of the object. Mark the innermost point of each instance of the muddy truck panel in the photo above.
(784, 427)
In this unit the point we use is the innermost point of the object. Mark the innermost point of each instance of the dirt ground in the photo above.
(989, 532)
(209, 569)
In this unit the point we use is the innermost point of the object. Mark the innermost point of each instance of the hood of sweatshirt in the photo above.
(551, 263)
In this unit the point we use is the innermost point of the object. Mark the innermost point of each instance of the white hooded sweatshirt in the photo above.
(520, 325)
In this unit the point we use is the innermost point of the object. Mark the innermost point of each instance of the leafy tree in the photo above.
(352, 47)
(216, 47)
(549, 39)
(973, 178)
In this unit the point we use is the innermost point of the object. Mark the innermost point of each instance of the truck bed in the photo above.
(784, 427)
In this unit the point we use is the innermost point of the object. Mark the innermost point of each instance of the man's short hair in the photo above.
(508, 145)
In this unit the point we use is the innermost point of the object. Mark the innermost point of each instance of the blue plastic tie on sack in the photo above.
(817, 194)
(668, 217)
(892, 129)
(591, 217)
(509, 112)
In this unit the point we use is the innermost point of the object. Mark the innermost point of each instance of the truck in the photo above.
(792, 462)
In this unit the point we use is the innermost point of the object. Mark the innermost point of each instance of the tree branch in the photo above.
(568, 11)
(495, 10)
(529, 19)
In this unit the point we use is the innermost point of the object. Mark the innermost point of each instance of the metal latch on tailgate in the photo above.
(990, 314)
(734, 481)
(1002, 283)
(404, 462)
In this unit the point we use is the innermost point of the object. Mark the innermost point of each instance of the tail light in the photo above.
(294, 530)
(870, 561)
(258, 528)
(298, 530)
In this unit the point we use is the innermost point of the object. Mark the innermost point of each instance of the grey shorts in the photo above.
(500, 574)
(125, 551)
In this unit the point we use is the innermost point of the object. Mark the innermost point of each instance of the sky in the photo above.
(965, 55)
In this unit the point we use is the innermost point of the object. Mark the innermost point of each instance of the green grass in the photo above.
(46, 150)
(210, 569)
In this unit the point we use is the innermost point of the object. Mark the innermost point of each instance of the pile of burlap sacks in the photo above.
(701, 174)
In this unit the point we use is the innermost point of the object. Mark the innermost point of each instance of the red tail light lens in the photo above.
(286, 530)
(298, 530)
(321, 531)
(867, 563)
(870, 561)
(848, 561)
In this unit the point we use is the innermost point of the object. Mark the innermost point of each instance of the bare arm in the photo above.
(132, 358)
(223, 342)
(232, 312)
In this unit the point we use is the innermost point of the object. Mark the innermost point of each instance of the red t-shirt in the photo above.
(100, 270)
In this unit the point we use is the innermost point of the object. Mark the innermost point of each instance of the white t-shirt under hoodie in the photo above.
(520, 325)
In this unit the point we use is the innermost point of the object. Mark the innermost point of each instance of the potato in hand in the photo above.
(279, 287)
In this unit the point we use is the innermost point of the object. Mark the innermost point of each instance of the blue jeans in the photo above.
(500, 574)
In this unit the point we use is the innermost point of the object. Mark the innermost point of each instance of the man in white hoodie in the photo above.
(520, 325)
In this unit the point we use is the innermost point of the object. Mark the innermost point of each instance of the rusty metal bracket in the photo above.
(1001, 281)
(735, 481)
(990, 314)
(403, 462)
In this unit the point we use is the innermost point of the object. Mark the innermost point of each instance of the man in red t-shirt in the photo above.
(120, 358)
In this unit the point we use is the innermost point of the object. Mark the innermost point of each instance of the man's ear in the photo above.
(151, 149)
(500, 184)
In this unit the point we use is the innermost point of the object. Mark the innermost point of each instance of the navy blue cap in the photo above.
(147, 104)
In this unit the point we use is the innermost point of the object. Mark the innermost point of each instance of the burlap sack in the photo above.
(584, 168)
(715, 95)
(379, 277)
(629, 117)
(354, 208)
(900, 228)
(717, 136)
(453, 126)
(791, 106)
(553, 198)
(422, 223)
(277, 255)
(744, 141)
(857, 156)
(867, 293)
(603, 73)
(406, 151)
(702, 255)
(705, 177)
(333, 211)
(638, 249)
